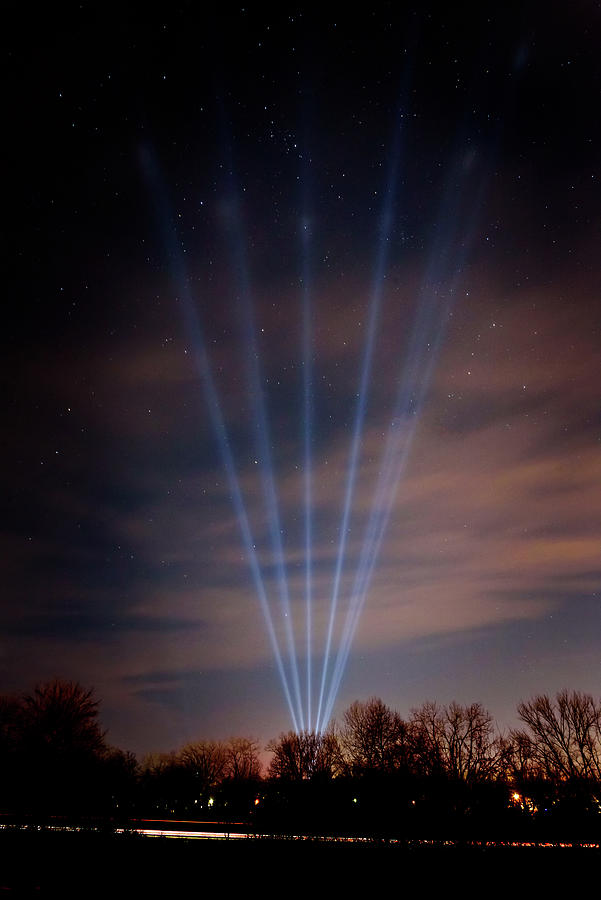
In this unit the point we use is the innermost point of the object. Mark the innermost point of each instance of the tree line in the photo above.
(373, 771)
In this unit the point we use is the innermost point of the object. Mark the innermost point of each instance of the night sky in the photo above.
(239, 199)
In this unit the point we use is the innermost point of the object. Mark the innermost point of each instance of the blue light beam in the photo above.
(262, 436)
(398, 445)
(194, 331)
(428, 330)
(385, 228)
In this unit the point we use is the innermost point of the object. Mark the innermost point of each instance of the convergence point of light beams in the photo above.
(310, 699)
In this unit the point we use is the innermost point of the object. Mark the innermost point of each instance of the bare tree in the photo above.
(205, 762)
(374, 738)
(242, 761)
(427, 725)
(306, 755)
(154, 765)
(458, 741)
(521, 764)
(563, 736)
(161, 777)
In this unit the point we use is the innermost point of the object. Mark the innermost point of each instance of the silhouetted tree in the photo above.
(120, 775)
(212, 774)
(556, 758)
(204, 762)
(242, 761)
(303, 756)
(457, 741)
(520, 759)
(161, 783)
(62, 747)
(239, 787)
(61, 717)
(374, 738)
(563, 737)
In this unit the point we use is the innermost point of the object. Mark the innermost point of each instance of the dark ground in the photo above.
(86, 865)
